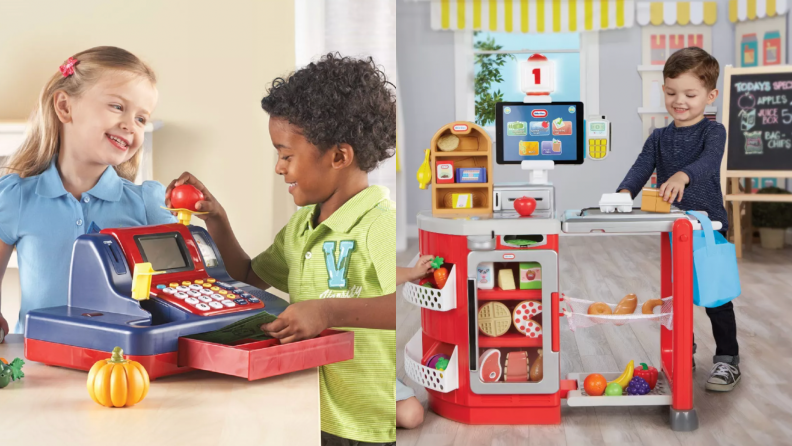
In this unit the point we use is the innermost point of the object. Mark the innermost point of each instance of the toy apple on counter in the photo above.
(185, 197)
(525, 206)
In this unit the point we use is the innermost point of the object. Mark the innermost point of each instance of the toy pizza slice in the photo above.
(516, 367)
(530, 328)
(524, 311)
(490, 366)
(494, 319)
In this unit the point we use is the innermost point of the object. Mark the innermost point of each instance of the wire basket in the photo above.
(576, 312)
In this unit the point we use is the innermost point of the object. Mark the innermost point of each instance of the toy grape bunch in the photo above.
(183, 199)
(117, 382)
(10, 372)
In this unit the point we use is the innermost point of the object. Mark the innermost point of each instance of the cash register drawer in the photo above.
(504, 199)
(262, 359)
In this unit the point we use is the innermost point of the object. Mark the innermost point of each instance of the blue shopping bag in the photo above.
(716, 279)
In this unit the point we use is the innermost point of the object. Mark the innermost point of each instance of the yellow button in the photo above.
(199, 282)
(222, 292)
(186, 283)
(210, 280)
(207, 285)
(215, 288)
(173, 284)
(602, 142)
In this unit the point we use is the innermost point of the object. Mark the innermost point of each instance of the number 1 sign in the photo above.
(537, 75)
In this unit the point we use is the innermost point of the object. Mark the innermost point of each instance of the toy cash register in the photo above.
(190, 293)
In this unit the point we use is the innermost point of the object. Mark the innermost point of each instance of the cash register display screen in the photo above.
(208, 254)
(162, 251)
(539, 132)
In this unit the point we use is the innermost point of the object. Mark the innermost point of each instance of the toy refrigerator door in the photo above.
(533, 303)
(262, 359)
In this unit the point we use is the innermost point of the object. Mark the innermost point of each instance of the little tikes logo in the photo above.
(539, 113)
(460, 127)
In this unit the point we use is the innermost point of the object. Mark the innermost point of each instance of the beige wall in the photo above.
(214, 60)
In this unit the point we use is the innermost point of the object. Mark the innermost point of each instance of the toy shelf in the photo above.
(460, 186)
(659, 396)
(442, 381)
(474, 150)
(432, 298)
(508, 340)
(498, 294)
(459, 153)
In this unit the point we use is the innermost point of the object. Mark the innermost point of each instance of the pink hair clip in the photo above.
(67, 69)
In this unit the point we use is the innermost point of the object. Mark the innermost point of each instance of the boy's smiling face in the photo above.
(309, 173)
(686, 97)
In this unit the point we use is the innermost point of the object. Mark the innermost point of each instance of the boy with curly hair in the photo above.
(331, 123)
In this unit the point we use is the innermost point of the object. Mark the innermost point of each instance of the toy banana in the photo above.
(424, 175)
(626, 376)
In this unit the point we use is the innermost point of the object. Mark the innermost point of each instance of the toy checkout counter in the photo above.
(189, 293)
(496, 319)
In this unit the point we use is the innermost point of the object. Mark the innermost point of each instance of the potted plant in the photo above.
(772, 219)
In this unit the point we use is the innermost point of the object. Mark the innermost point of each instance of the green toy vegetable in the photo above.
(11, 372)
(614, 389)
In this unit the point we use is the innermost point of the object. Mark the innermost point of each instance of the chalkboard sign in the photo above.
(759, 122)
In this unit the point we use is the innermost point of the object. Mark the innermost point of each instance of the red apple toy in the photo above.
(185, 197)
(525, 206)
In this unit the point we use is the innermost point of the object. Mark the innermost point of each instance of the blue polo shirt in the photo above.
(43, 220)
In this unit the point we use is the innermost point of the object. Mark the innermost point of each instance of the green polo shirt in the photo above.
(352, 254)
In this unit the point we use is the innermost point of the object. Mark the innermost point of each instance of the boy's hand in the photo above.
(301, 320)
(626, 191)
(4, 327)
(674, 186)
(422, 267)
(209, 204)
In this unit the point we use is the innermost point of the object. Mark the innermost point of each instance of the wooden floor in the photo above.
(757, 412)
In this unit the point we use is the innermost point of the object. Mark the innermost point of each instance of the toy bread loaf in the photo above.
(627, 305)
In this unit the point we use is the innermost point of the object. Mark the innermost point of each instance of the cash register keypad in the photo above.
(206, 294)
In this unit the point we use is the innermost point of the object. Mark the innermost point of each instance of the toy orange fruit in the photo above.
(595, 384)
(117, 382)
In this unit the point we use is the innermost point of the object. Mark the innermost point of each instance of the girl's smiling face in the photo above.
(686, 97)
(106, 123)
(309, 172)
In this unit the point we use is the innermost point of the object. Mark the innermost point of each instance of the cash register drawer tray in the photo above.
(262, 359)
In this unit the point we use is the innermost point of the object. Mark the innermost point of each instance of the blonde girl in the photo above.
(75, 168)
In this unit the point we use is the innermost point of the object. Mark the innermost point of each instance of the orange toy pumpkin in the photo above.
(117, 382)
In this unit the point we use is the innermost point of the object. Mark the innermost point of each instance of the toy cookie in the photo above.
(494, 319)
(627, 305)
(516, 367)
(448, 143)
(490, 366)
(530, 328)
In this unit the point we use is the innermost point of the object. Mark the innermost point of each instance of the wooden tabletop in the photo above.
(51, 404)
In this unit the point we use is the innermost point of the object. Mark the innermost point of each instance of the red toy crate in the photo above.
(262, 359)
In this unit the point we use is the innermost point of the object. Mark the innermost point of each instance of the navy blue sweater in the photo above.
(696, 150)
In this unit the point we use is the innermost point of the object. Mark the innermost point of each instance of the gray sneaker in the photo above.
(723, 377)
